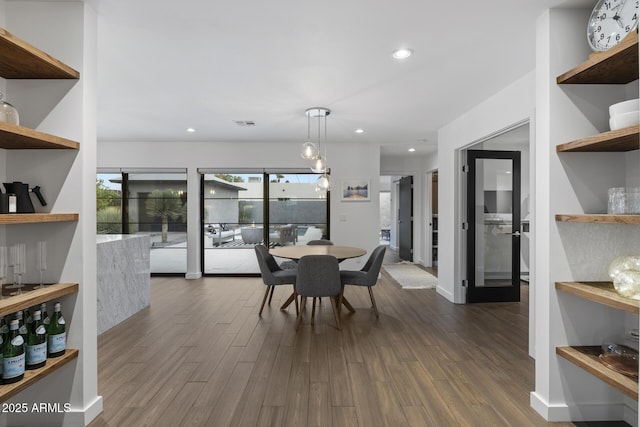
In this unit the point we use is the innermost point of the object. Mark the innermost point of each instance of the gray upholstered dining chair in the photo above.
(320, 242)
(368, 275)
(318, 276)
(273, 275)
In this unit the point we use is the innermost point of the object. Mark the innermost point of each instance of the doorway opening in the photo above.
(496, 216)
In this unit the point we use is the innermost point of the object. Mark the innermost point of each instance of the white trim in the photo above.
(193, 276)
(584, 412)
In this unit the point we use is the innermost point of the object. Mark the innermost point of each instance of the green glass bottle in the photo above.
(43, 315)
(28, 318)
(36, 343)
(57, 341)
(4, 329)
(13, 357)
(21, 326)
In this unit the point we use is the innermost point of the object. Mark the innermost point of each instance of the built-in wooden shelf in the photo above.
(31, 376)
(35, 218)
(602, 293)
(599, 218)
(29, 298)
(586, 357)
(626, 139)
(618, 65)
(20, 60)
(15, 137)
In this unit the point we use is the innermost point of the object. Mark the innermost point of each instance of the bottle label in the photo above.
(23, 330)
(17, 340)
(57, 342)
(61, 320)
(46, 321)
(40, 330)
(13, 366)
(36, 353)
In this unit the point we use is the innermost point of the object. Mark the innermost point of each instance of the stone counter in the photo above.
(123, 277)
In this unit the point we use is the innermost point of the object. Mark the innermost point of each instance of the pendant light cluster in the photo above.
(313, 152)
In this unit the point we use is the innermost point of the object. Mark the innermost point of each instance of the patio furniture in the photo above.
(311, 233)
(318, 276)
(284, 234)
(273, 275)
(251, 235)
(221, 233)
(368, 276)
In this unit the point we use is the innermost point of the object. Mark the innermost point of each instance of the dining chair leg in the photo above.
(334, 306)
(295, 298)
(340, 300)
(313, 310)
(303, 304)
(373, 302)
(271, 296)
(266, 294)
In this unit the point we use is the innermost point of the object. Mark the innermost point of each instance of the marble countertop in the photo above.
(106, 238)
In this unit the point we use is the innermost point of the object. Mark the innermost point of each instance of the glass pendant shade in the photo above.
(319, 165)
(323, 183)
(309, 151)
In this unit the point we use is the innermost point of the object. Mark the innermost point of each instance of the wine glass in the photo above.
(42, 261)
(11, 263)
(19, 267)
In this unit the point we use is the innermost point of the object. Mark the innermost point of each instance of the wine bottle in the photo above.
(57, 341)
(13, 355)
(4, 329)
(36, 343)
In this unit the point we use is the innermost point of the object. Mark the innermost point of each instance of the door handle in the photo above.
(516, 233)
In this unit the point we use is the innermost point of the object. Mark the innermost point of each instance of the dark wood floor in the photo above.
(201, 356)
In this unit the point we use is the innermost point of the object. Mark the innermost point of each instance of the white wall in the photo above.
(512, 105)
(66, 108)
(352, 223)
(574, 183)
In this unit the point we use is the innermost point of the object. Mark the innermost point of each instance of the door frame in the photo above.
(493, 294)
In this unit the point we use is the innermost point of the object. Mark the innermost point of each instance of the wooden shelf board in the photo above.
(599, 218)
(20, 60)
(30, 298)
(627, 139)
(602, 293)
(31, 376)
(34, 218)
(586, 357)
(618, 65)
(15, 137)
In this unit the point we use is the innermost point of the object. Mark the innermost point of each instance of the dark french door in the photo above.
(405, 218)
(493, 226)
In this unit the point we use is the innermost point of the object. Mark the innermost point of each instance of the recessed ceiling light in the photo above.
(411, 150)
(359, 130)
(402, 53)
(191, 130)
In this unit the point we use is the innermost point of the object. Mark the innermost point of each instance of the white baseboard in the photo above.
(584, 412)
(445, 293)
(193, 276)
(82, 417)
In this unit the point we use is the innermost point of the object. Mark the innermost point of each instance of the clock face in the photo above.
(611, 21)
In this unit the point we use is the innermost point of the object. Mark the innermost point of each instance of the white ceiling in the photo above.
(165, 66)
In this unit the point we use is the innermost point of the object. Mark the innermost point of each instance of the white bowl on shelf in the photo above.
(624, 107)
(624, 120)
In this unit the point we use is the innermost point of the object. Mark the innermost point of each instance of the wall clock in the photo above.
(610, 22)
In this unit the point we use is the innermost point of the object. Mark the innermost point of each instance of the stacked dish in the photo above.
(624, 114)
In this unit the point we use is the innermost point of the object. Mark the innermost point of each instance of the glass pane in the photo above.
(297, 209)
(109, 203)
(233, 222)
(494, 222)
(157, 205)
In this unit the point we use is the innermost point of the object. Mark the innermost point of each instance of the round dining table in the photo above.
(295, 252)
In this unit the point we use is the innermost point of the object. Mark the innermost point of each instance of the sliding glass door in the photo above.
(234, 217)
(151, 203)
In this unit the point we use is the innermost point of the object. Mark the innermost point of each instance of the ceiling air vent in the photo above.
(245, 122)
